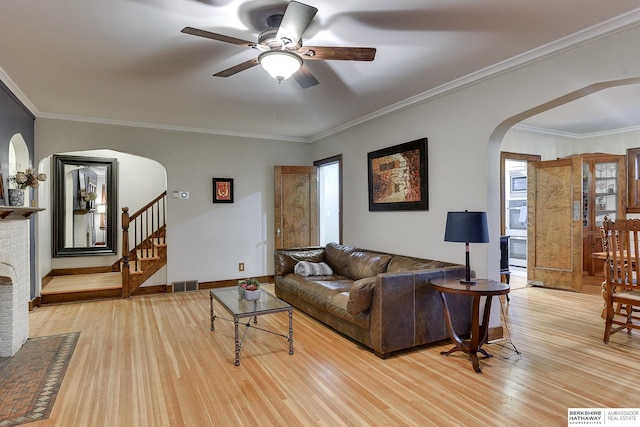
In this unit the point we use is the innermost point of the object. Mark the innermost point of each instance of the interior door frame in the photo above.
(305, 210)
(504, 156)
(331, 160)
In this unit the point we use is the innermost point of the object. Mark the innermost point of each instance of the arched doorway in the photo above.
(497, 139)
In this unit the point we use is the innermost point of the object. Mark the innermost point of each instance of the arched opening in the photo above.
(497, 139)
(139, 180)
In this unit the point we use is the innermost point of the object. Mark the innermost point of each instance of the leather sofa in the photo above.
(383, 301)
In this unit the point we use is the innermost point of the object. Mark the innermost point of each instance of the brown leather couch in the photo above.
(381, 300)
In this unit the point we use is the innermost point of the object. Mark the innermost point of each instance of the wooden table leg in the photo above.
(479, 332)
(452, 332)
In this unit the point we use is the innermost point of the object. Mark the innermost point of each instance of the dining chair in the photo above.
(621, 292)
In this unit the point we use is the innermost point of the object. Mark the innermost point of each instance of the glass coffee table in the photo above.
(241, 308)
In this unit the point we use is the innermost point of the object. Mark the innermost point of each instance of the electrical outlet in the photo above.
(241, 266)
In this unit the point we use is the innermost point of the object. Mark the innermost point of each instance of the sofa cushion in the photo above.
(318, 292)
(361, 295)
(286, 260)
(367, 264)
(337, 256)
(306, 268)
(404, 263)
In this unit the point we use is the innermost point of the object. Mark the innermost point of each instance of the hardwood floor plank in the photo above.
(153, 361)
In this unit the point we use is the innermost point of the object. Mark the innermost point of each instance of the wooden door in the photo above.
(554, 224)
(296, 206)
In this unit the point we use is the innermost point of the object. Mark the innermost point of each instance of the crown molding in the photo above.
(552, 132)
(169, 128)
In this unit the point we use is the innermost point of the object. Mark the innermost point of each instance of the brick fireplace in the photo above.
(14, 278)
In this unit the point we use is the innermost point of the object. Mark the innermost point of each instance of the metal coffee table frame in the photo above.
(240, 308)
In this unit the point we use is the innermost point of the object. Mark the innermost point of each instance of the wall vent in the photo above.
(186, 286)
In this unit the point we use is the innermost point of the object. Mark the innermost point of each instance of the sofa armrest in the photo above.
(406, 311)
(286, 259)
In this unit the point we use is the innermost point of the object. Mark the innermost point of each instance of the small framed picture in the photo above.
(222, 190)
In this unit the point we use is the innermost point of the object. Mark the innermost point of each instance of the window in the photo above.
(330, 199)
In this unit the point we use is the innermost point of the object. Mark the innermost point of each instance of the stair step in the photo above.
(160, 243)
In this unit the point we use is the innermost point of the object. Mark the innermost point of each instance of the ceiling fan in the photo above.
(281, 51)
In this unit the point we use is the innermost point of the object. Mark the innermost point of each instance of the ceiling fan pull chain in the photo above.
(279, 100)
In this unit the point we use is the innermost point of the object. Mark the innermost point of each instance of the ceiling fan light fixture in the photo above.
(280, 64)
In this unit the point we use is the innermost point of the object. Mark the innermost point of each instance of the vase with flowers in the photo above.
(249, 289)
(86, 197)
(22, 181)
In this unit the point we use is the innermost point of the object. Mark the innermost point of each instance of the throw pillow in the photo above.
(306, 268)
(361, 295)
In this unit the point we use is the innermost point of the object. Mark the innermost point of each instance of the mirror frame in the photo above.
(111, 180)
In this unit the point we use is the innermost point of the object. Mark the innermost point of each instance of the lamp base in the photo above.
(468, 282)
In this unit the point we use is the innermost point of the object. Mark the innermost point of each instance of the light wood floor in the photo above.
(153, 361)
(83, 282)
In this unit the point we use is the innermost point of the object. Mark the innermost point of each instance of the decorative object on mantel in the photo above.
(16, 197)
(86, 197)
(22, 181)
(249, 289)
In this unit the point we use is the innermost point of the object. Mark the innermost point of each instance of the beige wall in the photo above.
(206, 240)
(465, 128)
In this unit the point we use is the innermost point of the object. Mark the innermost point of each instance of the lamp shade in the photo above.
(467, 227)
(101, 209)
(280, 64)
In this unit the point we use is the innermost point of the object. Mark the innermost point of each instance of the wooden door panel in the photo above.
(555, 224)
(296, 206)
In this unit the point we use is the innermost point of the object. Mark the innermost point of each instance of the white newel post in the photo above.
(14, 278)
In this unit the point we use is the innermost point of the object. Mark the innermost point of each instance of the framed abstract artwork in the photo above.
(398, 177)
(222, 190)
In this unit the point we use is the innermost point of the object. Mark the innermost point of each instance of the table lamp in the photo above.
(467, 227)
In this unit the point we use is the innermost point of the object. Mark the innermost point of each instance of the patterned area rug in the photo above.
(30, 379)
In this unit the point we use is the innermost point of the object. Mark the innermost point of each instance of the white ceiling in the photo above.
(126, 61)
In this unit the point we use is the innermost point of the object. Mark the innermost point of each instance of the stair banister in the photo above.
(149, 232)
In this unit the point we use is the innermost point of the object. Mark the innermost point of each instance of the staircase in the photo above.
(144, 244)
(144, 252)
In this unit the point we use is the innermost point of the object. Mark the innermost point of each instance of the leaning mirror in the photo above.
(85, 203)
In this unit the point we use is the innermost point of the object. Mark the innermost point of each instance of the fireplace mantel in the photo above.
(17, 212)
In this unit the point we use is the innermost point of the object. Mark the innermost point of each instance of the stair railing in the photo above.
(140, 233)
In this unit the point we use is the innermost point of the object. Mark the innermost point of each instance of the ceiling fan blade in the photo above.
(295, 21)
(304, 78)
(216, 36)
(237, 68)
(338, 53)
